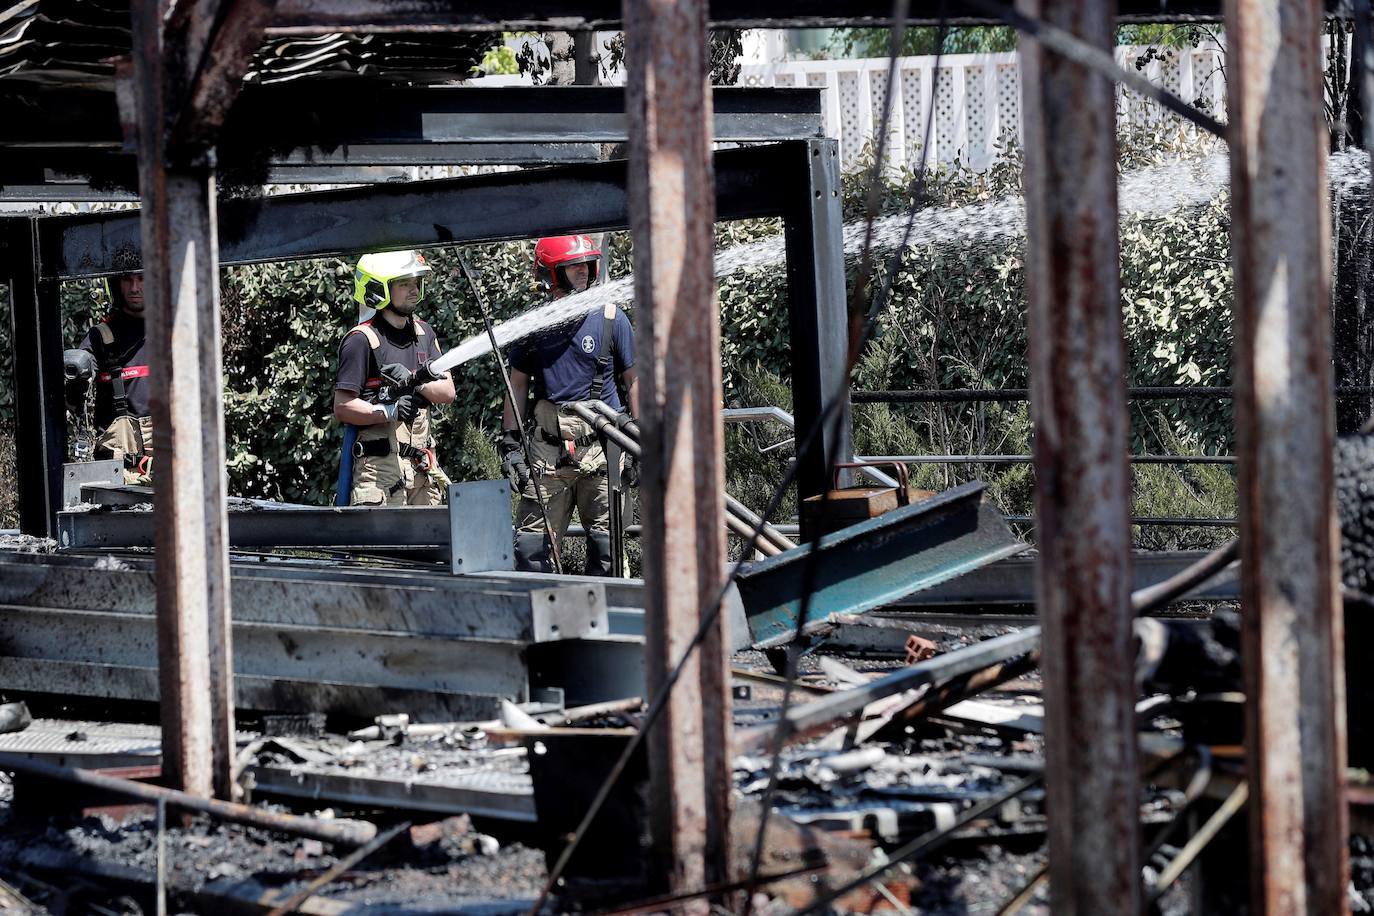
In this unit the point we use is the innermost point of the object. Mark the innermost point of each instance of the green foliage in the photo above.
(956, 319)
(1181, 491)
(499, 61)
(1176, 310)
(923, 40)
(1168, 35)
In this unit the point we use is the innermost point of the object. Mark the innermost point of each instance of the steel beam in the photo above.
(326, 122)
(1292, 627)
(352, 526)
(309, 654)
(1082, 479)
(40, 427)
(876, 563)
(818, 312)
(1011, 582)
(181, 284)
(480, 208)
(354, 647)
(424, 604)
(494, 795)
(100, 680)
(672, 215)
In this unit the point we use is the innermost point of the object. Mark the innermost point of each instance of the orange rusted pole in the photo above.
(672, 216)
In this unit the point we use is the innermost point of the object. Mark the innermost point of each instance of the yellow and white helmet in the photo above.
(374, 273)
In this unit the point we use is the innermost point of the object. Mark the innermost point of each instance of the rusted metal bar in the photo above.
(1292, 628)
(339, 830)
(1198, 842)
(181, 283)
(672, 210)
(1082, 494)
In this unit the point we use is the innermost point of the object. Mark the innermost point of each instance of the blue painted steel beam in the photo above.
(877, 562)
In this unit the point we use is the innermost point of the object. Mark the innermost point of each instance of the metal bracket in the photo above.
(569, 612)
(481, 535)
(76, 473)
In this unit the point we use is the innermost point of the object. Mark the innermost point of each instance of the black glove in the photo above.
(424, 375)
(408, 407)
(629, 471)
(513, 459)
(401, 379)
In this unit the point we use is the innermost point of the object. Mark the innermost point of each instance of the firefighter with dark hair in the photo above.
(384, 388)
(114, 354)
(578, 362)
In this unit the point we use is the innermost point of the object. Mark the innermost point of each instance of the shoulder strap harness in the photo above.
(113, 370)
(606, 351)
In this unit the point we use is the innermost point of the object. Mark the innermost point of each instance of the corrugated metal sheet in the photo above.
(75, 43)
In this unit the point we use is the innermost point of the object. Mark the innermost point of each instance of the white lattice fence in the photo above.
(977, 104)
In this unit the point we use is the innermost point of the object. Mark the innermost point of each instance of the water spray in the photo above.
(1144, 192)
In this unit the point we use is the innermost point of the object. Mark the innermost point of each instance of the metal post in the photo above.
(40, 421)
(1082, 479)
(817, 311)
(1292, 630)
(672, 211)
(181, 284)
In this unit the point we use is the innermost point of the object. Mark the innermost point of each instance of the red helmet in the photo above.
(555, 253)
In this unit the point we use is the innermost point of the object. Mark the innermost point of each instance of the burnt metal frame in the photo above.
(421, 116)
(422, 125)
(760, 181)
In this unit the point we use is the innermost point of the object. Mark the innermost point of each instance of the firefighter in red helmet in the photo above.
(581, 361)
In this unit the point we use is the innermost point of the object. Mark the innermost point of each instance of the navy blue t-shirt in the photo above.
(562, 361)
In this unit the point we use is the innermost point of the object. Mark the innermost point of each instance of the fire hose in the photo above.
(743, 513)
(624, 432)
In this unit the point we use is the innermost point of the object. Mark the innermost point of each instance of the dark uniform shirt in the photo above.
(127, 355)
(360, 366)
(563, 361)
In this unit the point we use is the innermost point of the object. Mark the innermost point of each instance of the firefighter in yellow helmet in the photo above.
(384, 389)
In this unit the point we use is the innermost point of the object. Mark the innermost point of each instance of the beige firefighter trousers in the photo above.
(580, 484)
(122, 438)
(390, 480)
